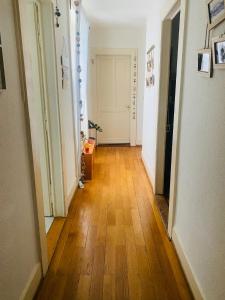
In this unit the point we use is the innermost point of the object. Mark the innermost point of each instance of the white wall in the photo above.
(150, 112)
(200, 213)
(84, 59)
(200, 206)
(19, 250)
(66, 103)
(122, 37)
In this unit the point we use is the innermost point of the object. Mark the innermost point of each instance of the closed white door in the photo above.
(113, 98)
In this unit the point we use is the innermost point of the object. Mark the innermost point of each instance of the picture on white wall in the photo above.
(2, 71)
(150, 76)
(219, 52)
(205, 62)
(216, 12)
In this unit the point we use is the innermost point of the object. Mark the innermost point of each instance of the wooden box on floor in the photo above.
(89, 161)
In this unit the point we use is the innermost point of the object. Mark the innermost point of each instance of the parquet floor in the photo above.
(113, 244)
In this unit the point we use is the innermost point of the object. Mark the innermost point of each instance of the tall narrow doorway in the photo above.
(113, 98)
(171, 104)
(170, 46)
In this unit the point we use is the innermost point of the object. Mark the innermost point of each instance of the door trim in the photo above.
(33, 164)
(44, 104)
(169, 11)
(134, 69)
(54, 126)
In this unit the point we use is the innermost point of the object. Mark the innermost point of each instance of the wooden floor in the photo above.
(113, 244)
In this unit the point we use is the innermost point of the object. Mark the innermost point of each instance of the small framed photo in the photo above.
(218, 45)
(205, 62)
(216, 12)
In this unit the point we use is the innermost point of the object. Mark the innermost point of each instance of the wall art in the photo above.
(150, 75)
(205, 62)
(216, 12)
(218, 45)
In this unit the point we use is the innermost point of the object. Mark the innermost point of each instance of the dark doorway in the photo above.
(171, 103)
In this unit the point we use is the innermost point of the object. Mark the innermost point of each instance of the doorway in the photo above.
(114, 86)
(170, 95)
(171, 104)
(113, 98)
(163, 194)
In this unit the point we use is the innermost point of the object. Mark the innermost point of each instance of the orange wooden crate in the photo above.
(89, 161)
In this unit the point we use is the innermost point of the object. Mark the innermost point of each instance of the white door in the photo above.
(113, 98)
(39, 94)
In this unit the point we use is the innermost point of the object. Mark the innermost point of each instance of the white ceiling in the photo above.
(119, 12)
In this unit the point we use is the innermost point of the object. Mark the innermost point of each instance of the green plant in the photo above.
(92, 125)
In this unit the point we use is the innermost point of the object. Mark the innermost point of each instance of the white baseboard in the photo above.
(70, 196)
(32, 283)
(113, 141)
(139, 142)
(148, 172)
(193, 282)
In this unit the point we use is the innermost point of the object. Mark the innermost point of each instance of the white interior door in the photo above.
(39, 104)
(113, 98)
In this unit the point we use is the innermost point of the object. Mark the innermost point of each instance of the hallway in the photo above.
(113, 245)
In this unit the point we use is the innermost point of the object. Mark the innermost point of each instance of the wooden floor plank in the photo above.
(113, 244)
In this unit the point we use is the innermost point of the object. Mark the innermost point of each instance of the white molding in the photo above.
(170, 9)
(32, 284)
(190, 275)
(113, 141)
(177, 113)
(69, 198)
(55, 140)
(167, 14)
(147, 171)
(163, 102)
(19, 23)
(139, 142)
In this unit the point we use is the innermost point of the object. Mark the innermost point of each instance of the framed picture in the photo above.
(218, 45)
(150, 76)
(216, 12)
(2, 71)
(205, 62)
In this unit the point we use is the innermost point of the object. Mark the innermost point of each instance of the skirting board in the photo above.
(32, 284)
(70, 196)
(198, 295)
(148, 172)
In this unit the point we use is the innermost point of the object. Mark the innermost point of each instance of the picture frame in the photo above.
(216, 12)
(150, 75)
(2, 69)
(205, 62)
(218, 47)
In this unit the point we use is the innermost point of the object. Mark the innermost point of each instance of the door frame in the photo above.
(168, 13)
(55, 138)
(44, 104)
(94, 52)
(23, 52)
(36, 176)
